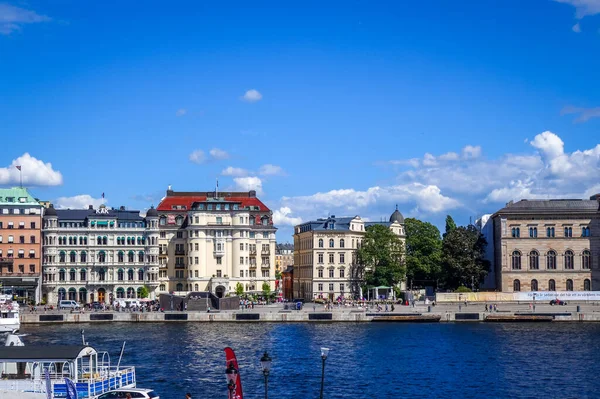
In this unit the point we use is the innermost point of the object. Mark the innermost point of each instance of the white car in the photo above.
(134, 392)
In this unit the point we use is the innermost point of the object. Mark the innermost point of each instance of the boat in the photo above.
(32, 371)
(9, 314)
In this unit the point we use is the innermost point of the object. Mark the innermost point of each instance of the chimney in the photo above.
(251, 193)
(121, 208)
(91, 207)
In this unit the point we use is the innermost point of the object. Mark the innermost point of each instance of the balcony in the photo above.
(265, 252)
(6, 261)
(180, 252)
(252, 265)
(265, 265)
(253, 252)
(4, 273)
(218, 224)
(219, 251)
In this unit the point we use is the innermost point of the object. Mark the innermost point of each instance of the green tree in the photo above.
(423, 252)
(143, 292)
(450, 224)
(277, 274)
(381, 257)
(266, 287)
(463, 257)
(239, 289)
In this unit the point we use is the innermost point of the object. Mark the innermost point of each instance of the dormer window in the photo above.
(331, 226)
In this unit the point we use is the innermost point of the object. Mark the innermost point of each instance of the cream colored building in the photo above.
(325, 251)
(211, 241)
(547, 245)
(284, 256)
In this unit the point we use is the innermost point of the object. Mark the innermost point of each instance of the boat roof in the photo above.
(44, 353)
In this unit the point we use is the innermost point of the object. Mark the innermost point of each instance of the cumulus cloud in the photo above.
(282, 217)
(471, 152)
(197, 156)
(218, 154)
(231, 171)
(583, 8)
(271, 170)
(252, 96)
(181, 112)
(81, 201)
(585, 114)
(34, 172)
(13, 18)
(249, 183)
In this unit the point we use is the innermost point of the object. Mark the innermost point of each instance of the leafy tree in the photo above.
(450, 224)
(266, 287)
(423, 251)
(463, 257)
(143, 292)
(381, 257)
(462, 288)
(239, 289)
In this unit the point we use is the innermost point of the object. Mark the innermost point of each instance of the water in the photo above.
(367, 360)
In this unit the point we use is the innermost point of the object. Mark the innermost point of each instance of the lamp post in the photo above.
(231, 374)
(324, 353)
(265, 362)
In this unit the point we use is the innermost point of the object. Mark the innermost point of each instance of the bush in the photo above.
(462, 288)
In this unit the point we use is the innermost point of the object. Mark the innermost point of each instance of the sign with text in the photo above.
(563, 295)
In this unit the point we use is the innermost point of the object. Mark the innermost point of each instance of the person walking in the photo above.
(188, 396)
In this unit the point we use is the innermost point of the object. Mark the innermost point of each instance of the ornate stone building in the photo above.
(99, 254)
(547, 245)
(211, 241)
(324, 252)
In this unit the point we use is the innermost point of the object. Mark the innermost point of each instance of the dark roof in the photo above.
(552, 205)
(29, 352)
(50, 211)
(152, 212)
(397, 216)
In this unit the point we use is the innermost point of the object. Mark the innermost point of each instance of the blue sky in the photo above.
(343, 108)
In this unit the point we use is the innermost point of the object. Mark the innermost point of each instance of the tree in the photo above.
(266, 287)
(423, 252)
(277, 275)
(463, 257)
(450, 224)
(381, 257)
(239, 289)
(143, 292)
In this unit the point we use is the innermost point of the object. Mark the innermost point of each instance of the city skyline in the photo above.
(348, 110)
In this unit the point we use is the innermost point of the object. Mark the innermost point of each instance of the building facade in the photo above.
(99, 255)
(211, 241)
(20, 243)
(325, 251)
(284, 256)
(547, 245)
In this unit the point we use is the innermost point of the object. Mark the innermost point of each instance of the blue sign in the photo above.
(71, 389)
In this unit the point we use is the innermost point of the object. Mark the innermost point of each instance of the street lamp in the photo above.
(324, 353)
(231, 374)
(265, 362)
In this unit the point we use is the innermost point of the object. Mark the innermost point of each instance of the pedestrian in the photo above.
(127, 395)
(188, 396)
(486, 307)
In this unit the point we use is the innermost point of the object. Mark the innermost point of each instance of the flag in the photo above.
(48, 383)
(71, 389)
(18, 167)
(231, 359)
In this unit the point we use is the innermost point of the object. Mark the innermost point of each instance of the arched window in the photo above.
(162, 221)
(62, 256)
(516, 260)
(120, 275)
(140, 257)
(587, 285)
(585, 259)
(72, 294)
(102, 257)
(569, 285)
(72, 257)
(320, 243)
(118, 240)
(72, 275)
(130, 293)
(104, 240)
(179, 220)
(534, 260)
(82, 295)
(83, 256)
(342, 243)
(265, 220)
(162, 287)
(252, 221)
(70, 240)
(83, 275)
(130, 257)
(141, 275)
(62, 275)
(179, 287)
(534, 285)
(60, 241)
(120, 292)
(568, 232)
(196, 287)
(516, 285)
(99, 241)
(331, 243)
(551, 260)
(569, 259)
(120, 257)
(551, 285)
(62, 294)
(101, 275)
(130, 274)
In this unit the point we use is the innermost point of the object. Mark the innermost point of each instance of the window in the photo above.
(550, 232)
(587, 285)
(342, 258)
(62, 257)
(21, 239)
(320, 257)
(219, 220)
(516, 260)
(331, 260)
(219, 261)
(585, 231)
(120, 275)
(331, 273)
(516, 232)
(330, 287)
(219, 273)
(320, 287)
(72, 257)
(32, 239)
(331, 243)
(180, 234)
(342, 273)
(551, 260)
(83, 275)
(241, 246)
(241, 260)
(534, 285)
(130, 274)
(569, 285)
(120, 257)
(585, 259)
(31, 268)
(72, 275)
(83, 257)
(141, 275)
(320, 243)
(533, 232)
(569, 260)
(62, 275)
(102, 257)
(32, 225)
(342, 243)
(342, 287)
(551, 285)
(534, 260)
(320, 273)
(516, 285)
(568, 232)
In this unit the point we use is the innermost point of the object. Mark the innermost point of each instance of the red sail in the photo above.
(230, 358)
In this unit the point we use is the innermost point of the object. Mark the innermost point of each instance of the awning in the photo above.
(32, 251)
(21, 251)
(102, 223)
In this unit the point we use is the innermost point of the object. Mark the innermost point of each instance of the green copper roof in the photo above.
(16, 196)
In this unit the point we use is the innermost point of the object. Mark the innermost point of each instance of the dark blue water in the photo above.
(477, 360)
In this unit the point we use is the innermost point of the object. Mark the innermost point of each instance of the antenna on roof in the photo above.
(217, 189)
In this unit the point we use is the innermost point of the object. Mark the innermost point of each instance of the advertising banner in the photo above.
(563, 295)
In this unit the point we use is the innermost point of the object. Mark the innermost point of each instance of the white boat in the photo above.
(31, 371)
(9, 314)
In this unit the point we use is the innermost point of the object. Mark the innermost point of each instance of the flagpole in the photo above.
(21, 177)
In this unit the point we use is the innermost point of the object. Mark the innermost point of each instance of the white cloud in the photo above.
(585, 114)
(82, 201)
(271, 170)
(252, 96)
(550, 145)
(218, 154)
(583, 8)
(13, 18)
(181, 112)
(471, 152)
(197, 156)
(249, 183)
(576, 28)
(231, 171)
(282, 217)
(449, 156)
(34, 171)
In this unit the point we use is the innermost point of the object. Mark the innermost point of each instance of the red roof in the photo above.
(168, 202)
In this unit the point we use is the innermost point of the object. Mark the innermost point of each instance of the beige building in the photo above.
(325, 251)
(211, 241)
(284, 256)
(20, 243)
(547, 245)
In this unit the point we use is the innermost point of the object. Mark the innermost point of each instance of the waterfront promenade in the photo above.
(318, 313)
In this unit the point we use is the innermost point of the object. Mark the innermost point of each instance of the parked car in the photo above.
(134, 392)
(557, 302)
(96, 306)
(66, 304)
